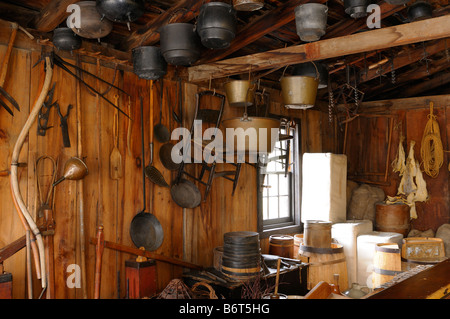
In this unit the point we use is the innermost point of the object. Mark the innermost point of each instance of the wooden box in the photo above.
(140, 278)
(6, 286)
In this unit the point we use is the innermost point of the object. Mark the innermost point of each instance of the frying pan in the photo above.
(145, 229)
(186, 194)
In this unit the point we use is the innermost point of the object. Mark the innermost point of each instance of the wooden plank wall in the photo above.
(367, 147)
(113, 203)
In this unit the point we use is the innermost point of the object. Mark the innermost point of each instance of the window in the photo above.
(279, 187)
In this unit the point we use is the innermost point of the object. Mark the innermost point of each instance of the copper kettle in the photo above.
(74, 169)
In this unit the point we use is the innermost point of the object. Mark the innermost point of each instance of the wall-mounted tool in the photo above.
(64, 124)
(44, 113)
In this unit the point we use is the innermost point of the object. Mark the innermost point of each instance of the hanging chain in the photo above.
(330, 102)
(393, 79)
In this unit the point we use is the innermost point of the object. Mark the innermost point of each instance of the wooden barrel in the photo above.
(317, 234)
(281, 245)
(324, 263)
(298, 240)
(422, 251)
(392, 218)
(241, 258)
(386, 263)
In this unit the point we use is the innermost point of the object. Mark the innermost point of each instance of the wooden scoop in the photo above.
(115, 159)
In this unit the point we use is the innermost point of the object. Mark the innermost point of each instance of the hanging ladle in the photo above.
(74, 169)
(162, 134)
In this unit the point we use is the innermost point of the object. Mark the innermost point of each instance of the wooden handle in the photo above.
(116, 121)
(5, 63)
(151, 111)
(98, 261)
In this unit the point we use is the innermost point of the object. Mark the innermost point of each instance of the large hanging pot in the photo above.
(419, 10)
(125, 11)
(258, 133)
(310, 69)
(248, 5)
(148, 62)
(180, 44)
(239, 93)
(65, 39)
(397, 2)
(298, 91)
(356, 8)
(92, 26)
(216, 25)
(311, 21)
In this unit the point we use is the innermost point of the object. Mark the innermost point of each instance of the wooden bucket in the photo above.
(241, 259)
(386, 263)
(324, 263)
(317, 234)
(298, 240)
(218, 254)
(392, 218)
(422, 251)
(281, 245)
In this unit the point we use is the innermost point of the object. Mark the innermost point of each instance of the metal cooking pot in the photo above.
(397, 2)
(91, 24)
(121, 10)
(311, 21)
(310, 69)
(265, 138)
(419, 11)
(148, 62)
(248, 5)
(65, 39)
(356, 8)
(239, 93)
(180, 44)
(299, 92)
(216, 25)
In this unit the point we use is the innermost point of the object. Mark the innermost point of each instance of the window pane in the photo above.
(284, 206)
(284, 184)
(273, 182)
(273, 207)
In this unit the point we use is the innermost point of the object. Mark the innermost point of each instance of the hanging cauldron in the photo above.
(252, 135)
(298, 91)
(239, 93)
(65, 39)
(180, 44)
(125, 11)
(310, 69)
(311, 21)
(419, 10)
(356, 8)
(148, 62)
(91, 24)
(248, 5)
(216, 25)
(397, 2)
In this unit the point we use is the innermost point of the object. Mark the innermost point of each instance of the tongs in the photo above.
(58, 61)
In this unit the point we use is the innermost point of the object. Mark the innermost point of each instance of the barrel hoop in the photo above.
(321, 250)
(242, 270)
(386, 272)
(387, 250)
(283, 245)
(404, 226)
(330, 262)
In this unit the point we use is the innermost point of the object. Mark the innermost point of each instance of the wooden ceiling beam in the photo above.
(425, 30)
(52, 15)
(265, 24)
(149, 35)
(407, 57)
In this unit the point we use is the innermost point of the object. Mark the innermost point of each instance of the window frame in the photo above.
(266, 229)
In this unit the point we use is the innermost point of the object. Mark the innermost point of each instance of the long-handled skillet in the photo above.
(145, 228)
